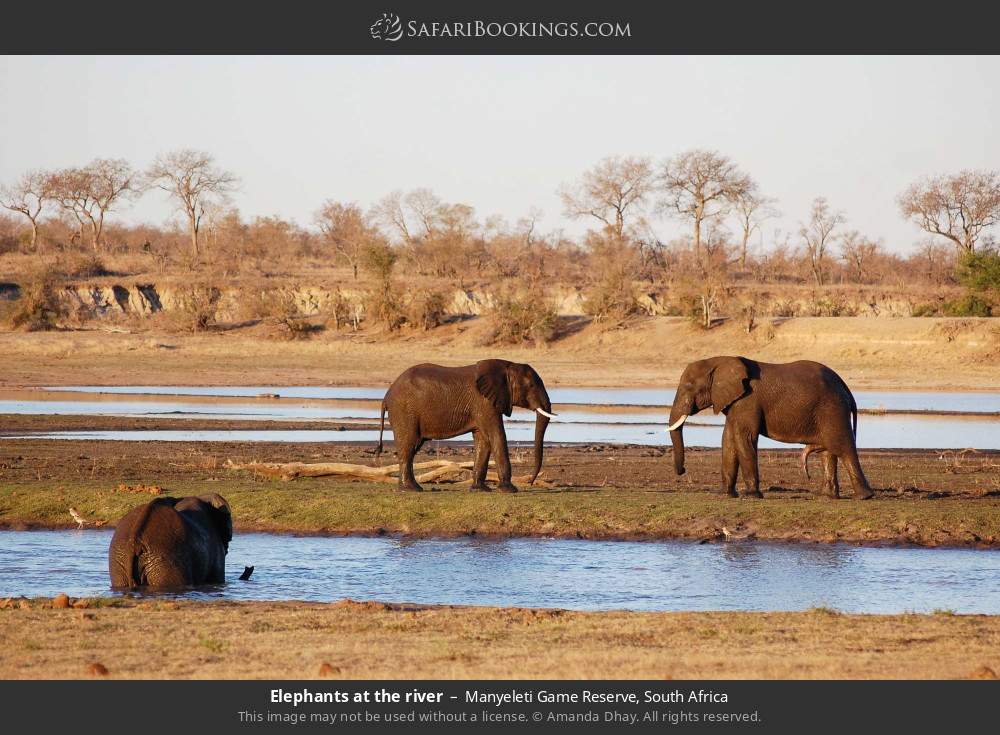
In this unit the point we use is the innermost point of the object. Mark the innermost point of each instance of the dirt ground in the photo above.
(883, 353)
(162, 639)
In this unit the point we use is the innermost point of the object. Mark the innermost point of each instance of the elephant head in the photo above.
(717, 382)
(221, 515)
(509, 384)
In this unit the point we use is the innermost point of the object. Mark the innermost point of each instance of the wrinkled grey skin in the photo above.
(172, 542)
(433, 402)
(800, 402)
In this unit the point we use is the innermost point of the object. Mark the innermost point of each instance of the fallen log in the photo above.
(438, 471)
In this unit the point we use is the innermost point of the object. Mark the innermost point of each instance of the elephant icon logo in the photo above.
(387, 28)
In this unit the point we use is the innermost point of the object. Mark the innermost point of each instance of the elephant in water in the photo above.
(172, 542)
(434, 402)
(799, 402)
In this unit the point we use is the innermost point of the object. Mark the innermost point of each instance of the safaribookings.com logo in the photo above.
(390, 28)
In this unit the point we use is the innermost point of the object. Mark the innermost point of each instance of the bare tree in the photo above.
(90, 193)
(958, 207)
(610, 191)
(752, 209)
(192, 178)
(701, 186)
(390, 214)
(344, 227)
(818, 235)
(858, 252)
(28, 196)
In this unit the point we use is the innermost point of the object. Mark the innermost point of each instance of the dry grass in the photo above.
(166, 639)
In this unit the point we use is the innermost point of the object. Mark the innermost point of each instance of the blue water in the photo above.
(581, 575)
(964, 402)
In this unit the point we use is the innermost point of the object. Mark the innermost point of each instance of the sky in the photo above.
(503, 133)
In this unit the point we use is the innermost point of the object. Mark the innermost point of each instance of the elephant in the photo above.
(798, 402)
(434, 402)
(171, 543)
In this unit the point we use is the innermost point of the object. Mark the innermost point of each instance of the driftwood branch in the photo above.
(437, 471)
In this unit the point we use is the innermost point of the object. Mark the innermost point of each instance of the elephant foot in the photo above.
(730, 493)
(479, 488)
(506, 487)
(866, 494)
(411, 487)
(753, 494)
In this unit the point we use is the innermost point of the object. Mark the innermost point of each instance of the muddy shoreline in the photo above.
(599, 492)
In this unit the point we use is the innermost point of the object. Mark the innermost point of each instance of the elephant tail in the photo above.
(381, 430)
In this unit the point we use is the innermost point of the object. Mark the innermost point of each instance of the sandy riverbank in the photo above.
(165, 639)
(889, 354)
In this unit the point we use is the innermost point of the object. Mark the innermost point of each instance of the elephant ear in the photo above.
(221, 515)
(491, 382)
(729, 382)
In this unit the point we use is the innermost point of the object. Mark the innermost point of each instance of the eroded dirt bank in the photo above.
(165, 639)
(602, 492)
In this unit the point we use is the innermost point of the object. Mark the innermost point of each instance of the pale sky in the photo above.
(502, 133)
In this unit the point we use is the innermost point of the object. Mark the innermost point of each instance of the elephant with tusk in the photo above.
(435, 402)
(800, 402)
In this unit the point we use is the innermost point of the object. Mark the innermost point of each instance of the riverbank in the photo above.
(884, 354)
(927, 498)
(168, 639)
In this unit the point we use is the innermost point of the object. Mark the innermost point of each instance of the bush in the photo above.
(522, 318)
(341, 311)
(426, 309)
(925, 310)
(615, 298)
(980, 271)
(38, 307)
(195, 308)
(382, 306)
(968, 305)
(87, 265)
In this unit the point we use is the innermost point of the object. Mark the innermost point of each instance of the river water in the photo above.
(586, 415)
(579, 575)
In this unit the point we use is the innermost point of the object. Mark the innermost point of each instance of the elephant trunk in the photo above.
(677, 414)
(541, 424)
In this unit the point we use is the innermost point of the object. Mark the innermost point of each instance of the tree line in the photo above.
(722, 206)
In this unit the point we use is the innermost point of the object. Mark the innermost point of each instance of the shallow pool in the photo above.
(581, 575)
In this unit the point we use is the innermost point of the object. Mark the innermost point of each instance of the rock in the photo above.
(60, 601)
(326, 669)
(983, 672)
(97, 669)
(6, 603)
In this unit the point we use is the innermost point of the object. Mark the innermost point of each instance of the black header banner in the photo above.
(513, 27)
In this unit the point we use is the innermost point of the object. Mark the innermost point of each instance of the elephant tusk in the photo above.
(677, 424)
(545, 413)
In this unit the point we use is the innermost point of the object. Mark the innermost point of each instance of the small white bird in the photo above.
(80, 523)
(727, 533)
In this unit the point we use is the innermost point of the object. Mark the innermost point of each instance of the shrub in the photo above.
(925, 310)
(38, 307)
(195, 308)
(426, 309)
(522, 318)
(968, 305)
(341, 311)
(980, 271)
(614, 298)
(383, 306)
(87, 265)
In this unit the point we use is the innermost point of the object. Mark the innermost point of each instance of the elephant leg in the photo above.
(746, 450)
(730, 460)
(498, 444)
(407, 451)
(831, 484)
(482, 463)
(862, 490)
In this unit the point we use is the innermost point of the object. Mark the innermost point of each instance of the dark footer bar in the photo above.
(494, 706)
